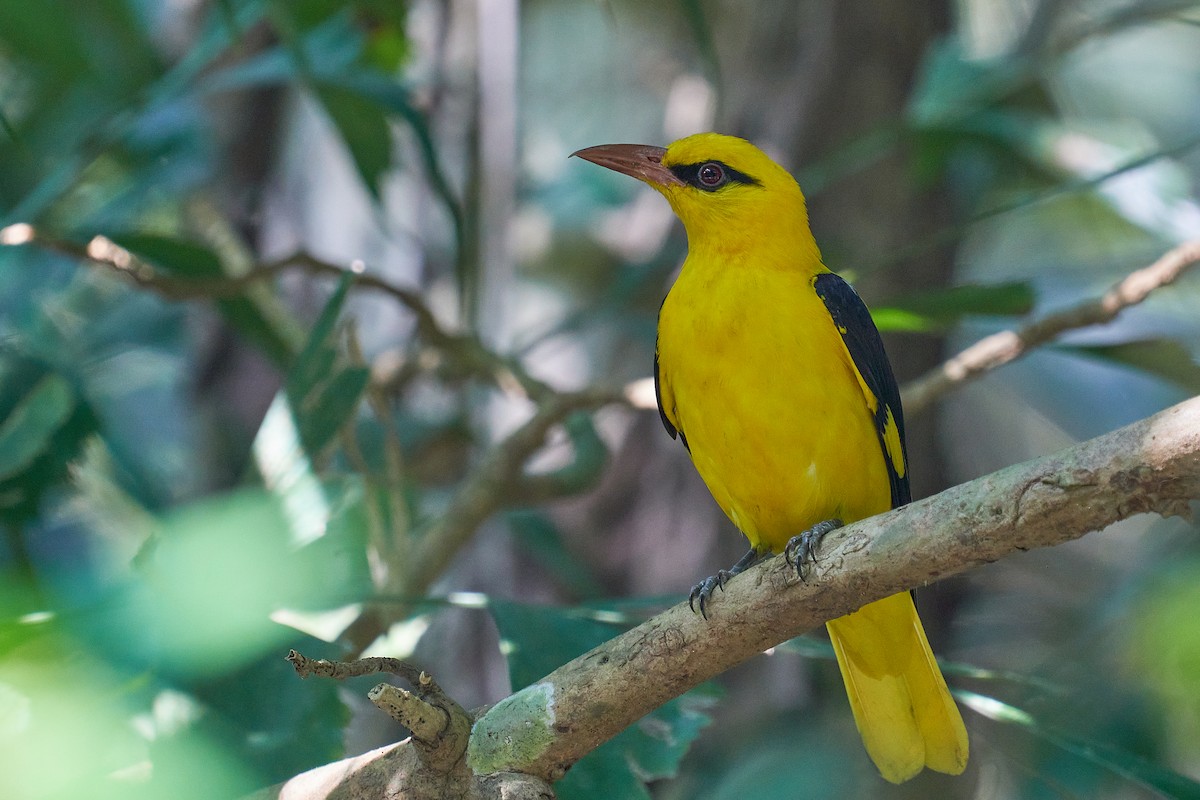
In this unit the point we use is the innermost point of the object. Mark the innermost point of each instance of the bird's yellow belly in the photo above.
(756, 377)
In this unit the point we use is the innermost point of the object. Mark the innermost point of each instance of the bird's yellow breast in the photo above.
(755, 375)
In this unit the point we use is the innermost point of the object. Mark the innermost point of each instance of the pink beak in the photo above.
(641, 161)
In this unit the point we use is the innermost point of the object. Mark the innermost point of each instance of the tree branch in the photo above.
(1001, 348)
(1152, 466)
(498, 481)
(439, 726)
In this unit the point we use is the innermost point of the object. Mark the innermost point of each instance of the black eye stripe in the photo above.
(690, 174)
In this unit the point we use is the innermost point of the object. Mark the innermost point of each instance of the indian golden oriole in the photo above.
(771, 372)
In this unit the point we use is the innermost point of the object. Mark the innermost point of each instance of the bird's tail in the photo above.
(903, 710)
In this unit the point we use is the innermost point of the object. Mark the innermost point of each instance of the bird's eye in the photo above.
(711, 175)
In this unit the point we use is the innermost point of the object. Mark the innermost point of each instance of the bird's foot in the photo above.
(703, 591)
(802, 549)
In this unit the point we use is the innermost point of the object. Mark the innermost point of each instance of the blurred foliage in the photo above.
(200, 470)
(936, 309)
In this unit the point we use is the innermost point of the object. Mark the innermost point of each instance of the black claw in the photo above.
(703, 591)
(802, 549)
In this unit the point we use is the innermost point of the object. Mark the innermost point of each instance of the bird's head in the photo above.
(729, 194)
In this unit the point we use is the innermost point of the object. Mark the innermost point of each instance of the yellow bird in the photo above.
(771, 372)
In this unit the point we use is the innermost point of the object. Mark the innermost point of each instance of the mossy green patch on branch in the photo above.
(514, 732)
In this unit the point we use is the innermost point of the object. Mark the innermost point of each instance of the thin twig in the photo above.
(439, 725)
(464, 350)
(395, 546)
(497, 482)
(425, 721)
(343, 670)
(1001, 348)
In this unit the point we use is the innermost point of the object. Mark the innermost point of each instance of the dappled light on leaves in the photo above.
(288, 472)
(1164, 651)
(313, 337)
(69, 731)
(214, 575)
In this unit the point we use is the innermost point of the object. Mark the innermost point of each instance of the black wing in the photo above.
(858, 330)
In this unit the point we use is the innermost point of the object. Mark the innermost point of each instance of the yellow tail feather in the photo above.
(905, 713)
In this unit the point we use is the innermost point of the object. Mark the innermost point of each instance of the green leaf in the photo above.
(1164, 358)
(323, 397)
(1163, 648)
(935, 309)
(227, 13)
(309, 373)
(538, 639)
(364, 128)
(69, 703)
(698, 22)
(650, 749)
(590, 456)
(46, 38)
(952, 87)
(1006, 299)
(179, 256)
(387, 47)
(335, 402)
(7, 126)
(1120, 762)
(327, 50)
(822, 650)
(28, 430)
(306, 14)
(787, 759)
(317, 399)
(201, 606)
(195, 261)
(280, 725)
(338, 559)
(313, 364)
(313, 510)
(101, 44)
(287, 470)
(895, 319)
(537, 532)
(395, 98)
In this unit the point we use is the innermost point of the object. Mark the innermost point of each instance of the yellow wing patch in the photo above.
(891, 431)
(867, 360)
(868, 395)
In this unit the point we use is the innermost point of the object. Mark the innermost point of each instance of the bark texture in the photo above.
(532, 738)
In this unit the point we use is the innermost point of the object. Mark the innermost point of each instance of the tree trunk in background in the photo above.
(237, 381)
